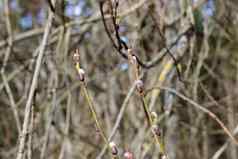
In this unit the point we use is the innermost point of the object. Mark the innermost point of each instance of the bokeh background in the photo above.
(201, 34)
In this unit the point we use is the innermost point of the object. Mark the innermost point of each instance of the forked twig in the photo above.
(121, 44)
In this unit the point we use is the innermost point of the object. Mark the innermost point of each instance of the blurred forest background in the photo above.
(187, 52)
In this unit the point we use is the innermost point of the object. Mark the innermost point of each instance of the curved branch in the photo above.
(200, 107)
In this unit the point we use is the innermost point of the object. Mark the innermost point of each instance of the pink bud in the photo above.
(128, 155)
(156, 130)
(134, 59)
(81, 74)
(139, 86)
(76, 56)
(113, 148)
(163, 157)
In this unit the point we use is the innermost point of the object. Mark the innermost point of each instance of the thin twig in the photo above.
(94, 114)
(6, 57)
(13, 103)
(118, 119)
(200, 107)
(219, 152)
(67, 124)
(166, 48)
(93, 19)
(33, 87)
(48, 124)
(30, 136)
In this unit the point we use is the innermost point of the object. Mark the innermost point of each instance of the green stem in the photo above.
(94, 114)
(157, 140)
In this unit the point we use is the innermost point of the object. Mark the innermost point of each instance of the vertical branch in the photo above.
(94, 114)
(30, 136)
(81, 74)
(132, 61)
(115, 27)
(113, 13)
(52, 8)
(33, 87)
(5, 60)
(13, 103)
(48, 124)
(101, 4)
(67, 124)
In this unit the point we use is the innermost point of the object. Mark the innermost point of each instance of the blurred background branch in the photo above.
(201, 35)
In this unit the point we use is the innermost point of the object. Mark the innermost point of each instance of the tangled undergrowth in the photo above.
(148, 79)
